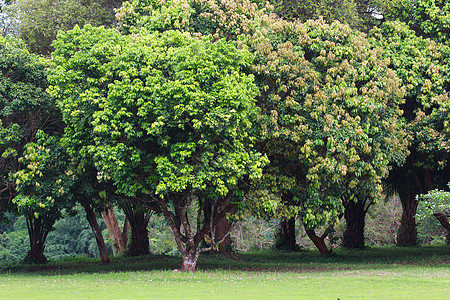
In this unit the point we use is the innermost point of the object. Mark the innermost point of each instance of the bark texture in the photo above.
(407, 232)
(410, 181)
(119, 237)
(189, 233)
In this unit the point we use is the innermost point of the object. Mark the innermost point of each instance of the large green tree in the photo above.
(428, 18)
(172, 120)
(331, 119)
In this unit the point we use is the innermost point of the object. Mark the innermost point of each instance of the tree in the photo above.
(171, 117)
(43, 190)
(437, 203)
(330, 10)
(91, 194)
(25, 109)
(119, 237)
(331, 114)
(39, 21)
(422, 66)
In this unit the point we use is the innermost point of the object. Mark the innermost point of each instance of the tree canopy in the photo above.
(171, 118)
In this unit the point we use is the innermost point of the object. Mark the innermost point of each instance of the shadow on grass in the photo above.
(265, 261)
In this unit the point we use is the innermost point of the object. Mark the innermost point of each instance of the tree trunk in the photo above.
(38, 229)
(114, 231)
(222, 233)
(90, 215)
(411, 181)
(125, 232)
(443, 219)
(36, 252)
(407, 232)
(138, 216)
(139, 244)
(354, 215)
(222, 230)
(190, 257)
(208, 216)
(286, 235)
(319, 242)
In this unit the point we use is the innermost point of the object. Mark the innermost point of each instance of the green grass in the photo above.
(377, 273)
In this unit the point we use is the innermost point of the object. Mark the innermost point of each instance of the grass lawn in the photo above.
(378, 273)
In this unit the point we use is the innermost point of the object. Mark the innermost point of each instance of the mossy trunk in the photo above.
(190, 257)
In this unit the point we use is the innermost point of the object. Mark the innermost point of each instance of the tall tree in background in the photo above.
(428, 18)
(38, 21)
(344, 11)
(423, 65)
(25, 108)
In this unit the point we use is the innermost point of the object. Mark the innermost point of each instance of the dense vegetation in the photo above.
(185, 116)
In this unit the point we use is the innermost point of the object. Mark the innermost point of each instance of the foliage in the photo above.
(44, 185)
(330, 10)
(421, 64)
(431, 232)
(39, 21)
(428, 18)
(161, 237)
(44, 189)
(383, 220)
(433, 202)
(324, 97)
(250, 233)
(115, 63)
(423, 67)
(14, 242)
(223, 19)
